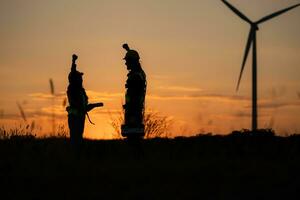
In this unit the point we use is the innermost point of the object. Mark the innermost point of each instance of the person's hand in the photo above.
(74, 57)
(91, 106)
(99, 104)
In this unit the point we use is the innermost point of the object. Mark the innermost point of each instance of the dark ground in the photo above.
(204, 167)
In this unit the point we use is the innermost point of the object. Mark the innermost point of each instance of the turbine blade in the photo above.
(268, 17)
(247, 49)
(236, 11)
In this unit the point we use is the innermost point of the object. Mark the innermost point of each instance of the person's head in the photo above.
(131, 58)
(126, 47)
(75, 78)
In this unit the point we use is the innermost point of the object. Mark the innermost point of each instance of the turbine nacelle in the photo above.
(254, 26)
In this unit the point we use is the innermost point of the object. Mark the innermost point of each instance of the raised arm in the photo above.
(74, 58)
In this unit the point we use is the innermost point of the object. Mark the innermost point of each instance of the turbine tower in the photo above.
(252, 42)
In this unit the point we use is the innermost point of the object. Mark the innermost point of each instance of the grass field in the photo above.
(237, 166)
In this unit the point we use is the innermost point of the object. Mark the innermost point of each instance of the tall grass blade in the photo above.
(51, 86)
(22, 112)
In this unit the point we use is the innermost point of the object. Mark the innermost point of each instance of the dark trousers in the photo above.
(76, 126)
(133, 116)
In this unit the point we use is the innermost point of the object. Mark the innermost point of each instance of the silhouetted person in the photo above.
(78, 105)
(135, 95)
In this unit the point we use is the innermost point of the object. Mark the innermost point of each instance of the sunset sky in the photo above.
(191, 51)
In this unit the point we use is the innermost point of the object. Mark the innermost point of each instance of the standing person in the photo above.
(78, 105)
(135, 95)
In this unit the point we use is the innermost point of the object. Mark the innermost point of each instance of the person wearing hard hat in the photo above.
(135, 93)
(78, 105)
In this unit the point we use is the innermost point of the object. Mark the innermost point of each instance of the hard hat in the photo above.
(131, 54)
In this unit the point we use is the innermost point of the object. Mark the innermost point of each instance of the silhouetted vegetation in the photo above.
(52, 92)
(258, 133)
(156, 124)
(242, 165)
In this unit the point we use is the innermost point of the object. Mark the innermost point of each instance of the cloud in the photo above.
(34, 114)
(235, 116)
(242, 114)
(1, 113)
(46, 110)
(180, 88)
(298, 94)
(106, 111)
(103, 96)
(59, 112)
(277, 92)
(108, 96)
(210, 122)
(278, 105)
(94, 96)
(11, 116)
(45, 96)
(274, 105)
(160, 77)
(212, 97)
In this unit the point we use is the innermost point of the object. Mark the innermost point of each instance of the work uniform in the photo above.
(135, 97)
(78, 102)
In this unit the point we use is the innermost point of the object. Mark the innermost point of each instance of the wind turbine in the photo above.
(252, 42)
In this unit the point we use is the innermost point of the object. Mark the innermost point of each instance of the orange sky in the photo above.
(190, 50)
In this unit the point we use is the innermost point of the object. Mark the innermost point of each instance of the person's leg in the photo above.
(137, 117)
(129, 116)
(76, 130)
(140, 116)
(81, 122)
(72, 128)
